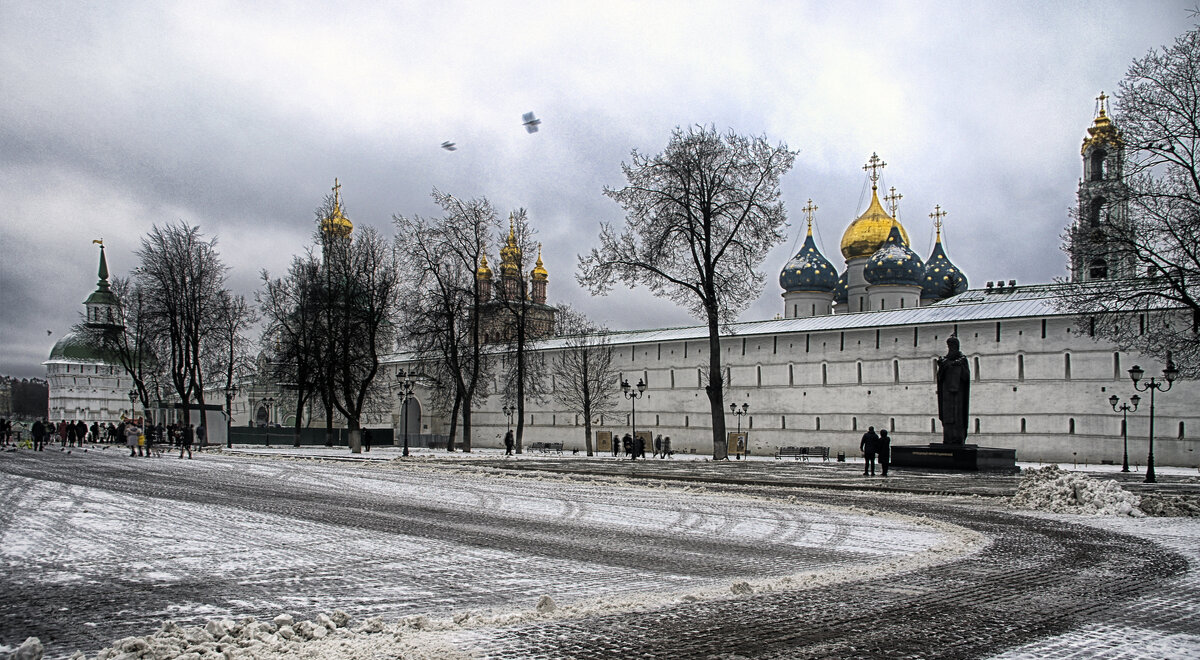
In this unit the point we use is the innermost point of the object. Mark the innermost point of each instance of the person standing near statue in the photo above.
(953, 393)
(883, 449)
(869, 441)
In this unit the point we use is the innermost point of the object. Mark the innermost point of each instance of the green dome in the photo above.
(77, 348)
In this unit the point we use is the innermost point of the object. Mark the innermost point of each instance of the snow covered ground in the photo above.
(434, 588)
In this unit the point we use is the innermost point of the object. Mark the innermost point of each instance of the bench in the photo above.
(804, 453)
(547, 447)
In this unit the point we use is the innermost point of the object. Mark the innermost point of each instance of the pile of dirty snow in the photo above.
(1053, 489)
(1175, 506)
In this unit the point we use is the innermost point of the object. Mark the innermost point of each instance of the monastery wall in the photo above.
(1037, 386)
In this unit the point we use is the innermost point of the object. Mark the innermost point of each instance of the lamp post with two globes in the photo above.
(1169, 374)
(633, 395)
(1125, 409)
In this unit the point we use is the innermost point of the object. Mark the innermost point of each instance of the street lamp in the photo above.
(133, 397)
(267, 402)
(407, 384)
(733, 408)
(1152, 385)
(1124, 409)
(633, 395)
(508, 412)
(230, 392)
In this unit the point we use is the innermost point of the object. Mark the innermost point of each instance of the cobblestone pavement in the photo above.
(436, 539)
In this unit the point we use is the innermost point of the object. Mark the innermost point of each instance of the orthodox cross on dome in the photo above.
(808, 214)
(337, 190)
(893, 199)
(1101, 104)
(937, 216)
(874, 164)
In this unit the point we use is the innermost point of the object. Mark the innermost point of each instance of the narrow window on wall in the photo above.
(1116, 366)
(806, 342)
(660, 351)
(842, 347)
(699, 378)
(626, 419)
(853, 423)
(795, 311)
(859, 368)
(791, 374)
(1067, 366)
(977, 376)
(531, 420)
(1071, 426)
(685, 349)
(646, 378)
(860, 304)
(977, 425)
(896, 371)
(656, 420)
(818, 424)
(750, 420)
(932, 425)
(685, 421)
(775, 344)
(1022, 425)
(743, 345)
(814, 309)
(1092, 327)
(672, 379)
(783, 422)
(934, 364)
(997, 331)
(601, 420)
(1043, 328)
(759, 375)
(553, 420)
(877, 340)
(1020, 367)
(902, 303)
(824, 374)
(892, 424)
(1141, 324)
(956, 329)
(729, 376)
(882, 303)
(633, 353)
(916, 335)
(1181, 435)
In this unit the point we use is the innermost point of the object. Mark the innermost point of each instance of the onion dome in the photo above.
(539, 274)
(336, 223)
(894, 263)
(483, 272)
(510, 254)
(942, 278)
(870, 230)
(1102, 131)
(841, 292)
(81, 347)
(809, 270)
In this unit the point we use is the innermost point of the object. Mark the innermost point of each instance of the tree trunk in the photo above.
(354, 436)
(453, 421)
(715, 389)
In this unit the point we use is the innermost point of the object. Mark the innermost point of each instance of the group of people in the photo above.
(876, 447)
(635, 448)
(183, 436)
(70, 434)
(137, 438)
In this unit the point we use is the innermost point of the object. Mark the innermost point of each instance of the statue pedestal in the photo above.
(958, 458)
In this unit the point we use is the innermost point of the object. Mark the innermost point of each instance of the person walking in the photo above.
(869, 441)
(39, 435)
(189, 436)
(131, 439)
(81, 432)
(627, 445)
(616, 445)
(883, 450)
(657, 445)
(201, 436)
(367, 439)
(508, 443)
(666, 448)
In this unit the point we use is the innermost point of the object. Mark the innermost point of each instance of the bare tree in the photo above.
(585, 381)
(700, 219)
(229, 349)
(130, 339)
(443, 314)
(292, 307)
(181, 276)
(1158, 312)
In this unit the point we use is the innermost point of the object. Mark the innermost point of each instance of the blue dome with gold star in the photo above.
(894, 263)
(809, 270)
(942, 278)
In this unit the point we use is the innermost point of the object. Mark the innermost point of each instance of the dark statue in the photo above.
(953, 393)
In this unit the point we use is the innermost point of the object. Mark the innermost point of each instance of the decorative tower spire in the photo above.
(937, 216)
(103, 307)
(538, 277)
(874, 164)
(336, 224)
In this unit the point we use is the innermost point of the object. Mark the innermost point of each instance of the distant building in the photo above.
(514, 295)
(87, 381)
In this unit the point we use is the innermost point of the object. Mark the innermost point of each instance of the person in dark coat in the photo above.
(508, 443)
(658, 445)
(189, 436)
(869, 441)
(627, 444)
(81, 431)
(639, 447)
(616, 445)
(883, 450)
(39, 435)
(367, 439)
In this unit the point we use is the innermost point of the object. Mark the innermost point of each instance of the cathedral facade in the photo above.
(856, 348)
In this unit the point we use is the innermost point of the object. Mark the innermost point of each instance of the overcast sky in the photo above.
(236, 117)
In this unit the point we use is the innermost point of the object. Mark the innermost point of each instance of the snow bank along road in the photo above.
(99, 546)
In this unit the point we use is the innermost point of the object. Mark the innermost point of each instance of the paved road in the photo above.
(487, 541)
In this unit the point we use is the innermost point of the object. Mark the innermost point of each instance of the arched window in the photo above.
(1022, 425)
(1067, 366)
(932, 425)
(1181, 436)
(859, 365)
(977, 425)
(1094, 211)
(1071, 426)
(1096, 165)
(853, 423)
(1020, 367)
(977, 372)
(824, 374)
(896, 371)
(818, 424)
(892, 424)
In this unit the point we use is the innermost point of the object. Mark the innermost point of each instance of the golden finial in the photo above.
(1101, 104)
(937, 216)
(808, 214)
(893, 199)
(874, 164)
(483, 272)
(337, 193)
(539, 270)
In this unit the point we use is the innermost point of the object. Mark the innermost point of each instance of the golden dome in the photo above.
(483, 273)
(539, 271)
(337, 223)
(1102, 130)
(510, 254)
(870, 231)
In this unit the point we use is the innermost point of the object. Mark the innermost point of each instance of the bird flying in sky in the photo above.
(531, 122)
(449, 146)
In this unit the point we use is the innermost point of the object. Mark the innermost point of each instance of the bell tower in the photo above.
(1103, 205)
